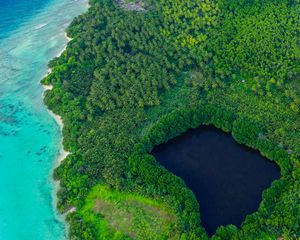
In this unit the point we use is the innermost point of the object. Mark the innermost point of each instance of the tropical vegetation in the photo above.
(132, 79)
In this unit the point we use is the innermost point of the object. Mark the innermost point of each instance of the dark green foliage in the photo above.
(257, 42)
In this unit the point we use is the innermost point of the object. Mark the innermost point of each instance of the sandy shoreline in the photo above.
(62, 152)
(64, 48)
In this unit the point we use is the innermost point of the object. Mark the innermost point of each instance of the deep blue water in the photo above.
(31, 34)
(15, 12)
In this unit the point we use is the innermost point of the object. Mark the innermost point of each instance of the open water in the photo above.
(31, 34)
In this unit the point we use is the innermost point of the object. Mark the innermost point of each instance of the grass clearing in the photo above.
(121, 215)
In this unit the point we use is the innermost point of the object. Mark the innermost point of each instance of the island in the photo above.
(137, 74)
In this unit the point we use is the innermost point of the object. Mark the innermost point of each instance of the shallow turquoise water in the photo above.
(30, 139)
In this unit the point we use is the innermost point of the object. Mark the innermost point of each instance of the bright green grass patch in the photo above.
(121, 215)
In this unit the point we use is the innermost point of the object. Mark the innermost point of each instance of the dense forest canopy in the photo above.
(133, 78)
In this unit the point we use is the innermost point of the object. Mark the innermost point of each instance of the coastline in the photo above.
(62, 152)
(64, 49)
(58, 119)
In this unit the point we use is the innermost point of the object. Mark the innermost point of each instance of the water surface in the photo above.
(14, 13)
(227, 178)
(31, 34)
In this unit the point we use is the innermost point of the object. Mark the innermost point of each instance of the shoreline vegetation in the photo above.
(58, 119)
(63, 154)
(131, 80)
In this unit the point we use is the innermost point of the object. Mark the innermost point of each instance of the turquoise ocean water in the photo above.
(31, 34)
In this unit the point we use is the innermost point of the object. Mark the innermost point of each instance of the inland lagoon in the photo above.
(227, 178)
(31, 34)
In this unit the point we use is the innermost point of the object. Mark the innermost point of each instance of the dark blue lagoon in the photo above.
(227, 178)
